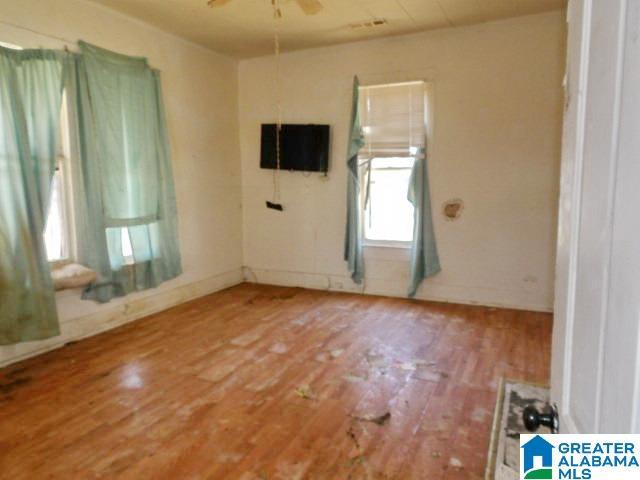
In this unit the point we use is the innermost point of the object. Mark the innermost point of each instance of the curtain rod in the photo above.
(396, 84)
(54, 37)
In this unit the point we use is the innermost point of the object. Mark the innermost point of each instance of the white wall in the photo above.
(200, 89)
(498, 114)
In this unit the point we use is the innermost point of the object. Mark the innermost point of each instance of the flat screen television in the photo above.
(302, 147)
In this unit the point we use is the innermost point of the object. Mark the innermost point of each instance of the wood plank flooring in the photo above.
(260, 382)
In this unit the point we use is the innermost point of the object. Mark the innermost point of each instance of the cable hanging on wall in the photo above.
(277, 15)
(308, 7)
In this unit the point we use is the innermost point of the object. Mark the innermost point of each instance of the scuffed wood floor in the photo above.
(260, 382)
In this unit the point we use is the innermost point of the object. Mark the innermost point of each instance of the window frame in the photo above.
(64, 164)
(374, 242)
(130, 259)
(428, 114)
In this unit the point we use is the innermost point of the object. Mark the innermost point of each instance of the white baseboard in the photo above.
(110, 316)
(484, 296)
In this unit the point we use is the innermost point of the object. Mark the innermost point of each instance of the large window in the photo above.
(393, 119)
(59, 234)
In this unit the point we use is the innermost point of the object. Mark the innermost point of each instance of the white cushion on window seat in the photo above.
(72, 275)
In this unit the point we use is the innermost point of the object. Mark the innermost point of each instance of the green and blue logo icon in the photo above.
(537, 459)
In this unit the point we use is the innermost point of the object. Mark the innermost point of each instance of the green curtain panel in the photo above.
(30, 101)
(353, 252)
(127, 194)
(424, 253)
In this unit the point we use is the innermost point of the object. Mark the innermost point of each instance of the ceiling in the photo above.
(244, 28)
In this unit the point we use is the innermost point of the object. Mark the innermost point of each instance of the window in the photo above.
(10, 45)
(388, 214)
(127, 249)
(58, 227)
(57, 234)
(393, 119)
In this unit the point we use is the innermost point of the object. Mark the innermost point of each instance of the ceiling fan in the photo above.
(309, 7)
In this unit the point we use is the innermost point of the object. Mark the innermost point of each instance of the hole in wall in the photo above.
(452, 209)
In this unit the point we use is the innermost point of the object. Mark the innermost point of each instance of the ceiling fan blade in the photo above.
(310, 7)
(217, 3)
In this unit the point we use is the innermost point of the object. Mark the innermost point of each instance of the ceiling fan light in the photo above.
(310, 7)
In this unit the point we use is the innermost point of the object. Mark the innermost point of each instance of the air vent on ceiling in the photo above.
(378, 22)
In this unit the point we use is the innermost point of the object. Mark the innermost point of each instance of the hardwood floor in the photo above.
(260, 382)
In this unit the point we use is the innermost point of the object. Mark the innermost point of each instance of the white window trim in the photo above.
(369, 243)
(69, 217)
(128, 259)
(378, 243)
(63, 159)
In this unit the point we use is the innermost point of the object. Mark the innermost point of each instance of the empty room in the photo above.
(316, 239)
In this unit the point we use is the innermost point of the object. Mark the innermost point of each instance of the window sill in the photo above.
(56, 264)
(386, 244)
(69, 292)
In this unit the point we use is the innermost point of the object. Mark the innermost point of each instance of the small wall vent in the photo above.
(378, 22)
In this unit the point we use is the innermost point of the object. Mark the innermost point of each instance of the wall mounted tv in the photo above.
(302, 147)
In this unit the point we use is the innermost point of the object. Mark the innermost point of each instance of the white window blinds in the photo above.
(393, 119)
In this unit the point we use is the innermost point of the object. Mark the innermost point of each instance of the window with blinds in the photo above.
(393, 117)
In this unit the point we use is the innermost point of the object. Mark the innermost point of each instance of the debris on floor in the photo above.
(336, 352)
(414, 364)
(408, 366)
(455, 462)
(353, 378)
(378, 363)
(306, 392)
(352, 435)
(479, 414)
(229, 457)
(279, 348)
(424, 363)
(430, 375)
(377, 419)
(357, 460)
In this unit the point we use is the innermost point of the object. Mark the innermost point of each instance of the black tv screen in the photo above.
(302, 147)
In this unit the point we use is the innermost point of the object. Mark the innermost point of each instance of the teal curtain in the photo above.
(353, 252)
(424, 253)
(125, 168)
(30, 101)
